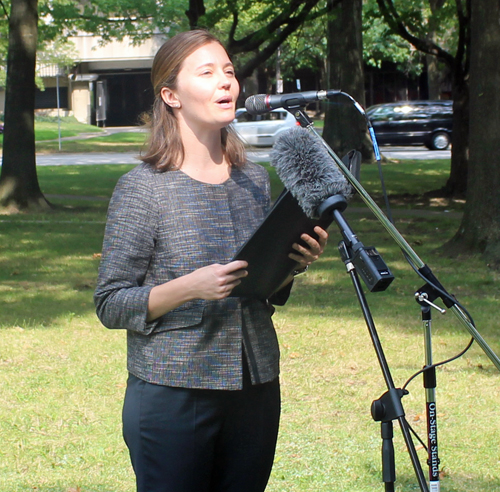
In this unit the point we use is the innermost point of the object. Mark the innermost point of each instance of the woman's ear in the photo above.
(169, 98)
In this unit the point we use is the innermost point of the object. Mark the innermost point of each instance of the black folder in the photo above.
(267, 250)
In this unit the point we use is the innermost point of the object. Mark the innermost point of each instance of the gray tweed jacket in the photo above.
(164, 225)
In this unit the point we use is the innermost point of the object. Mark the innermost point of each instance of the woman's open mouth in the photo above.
(226, 101)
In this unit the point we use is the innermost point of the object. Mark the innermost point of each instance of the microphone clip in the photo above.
(301, 116)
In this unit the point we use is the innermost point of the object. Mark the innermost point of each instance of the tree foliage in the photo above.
(254, 30)
(53, 46)
(412, 20)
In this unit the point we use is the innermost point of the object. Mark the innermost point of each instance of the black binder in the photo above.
(267, 250)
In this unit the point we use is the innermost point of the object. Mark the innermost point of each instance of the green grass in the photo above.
(49, 130)
(70, 127)
(63, 375)
(117, 142)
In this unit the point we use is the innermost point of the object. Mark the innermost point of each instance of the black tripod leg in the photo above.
(389, 406)
(388, 463)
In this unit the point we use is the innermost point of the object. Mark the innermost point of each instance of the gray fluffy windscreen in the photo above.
(307, 170)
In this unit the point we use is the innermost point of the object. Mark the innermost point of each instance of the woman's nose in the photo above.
(225, 81)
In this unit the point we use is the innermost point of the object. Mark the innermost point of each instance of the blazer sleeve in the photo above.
(121, 299)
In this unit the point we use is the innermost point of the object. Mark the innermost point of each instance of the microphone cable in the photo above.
(454, 301)
(437, 288)
(408, 259)
(441, 291)
(447, 361)
(376, 149)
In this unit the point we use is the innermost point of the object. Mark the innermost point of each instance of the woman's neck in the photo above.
(204, 159)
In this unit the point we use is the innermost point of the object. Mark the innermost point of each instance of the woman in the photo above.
(202, 404)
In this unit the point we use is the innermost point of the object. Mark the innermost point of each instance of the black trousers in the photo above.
(190, 440)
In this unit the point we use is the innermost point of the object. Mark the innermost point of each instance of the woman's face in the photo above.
(206, 90)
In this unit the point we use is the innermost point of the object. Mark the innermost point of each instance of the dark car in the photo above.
(426, 123)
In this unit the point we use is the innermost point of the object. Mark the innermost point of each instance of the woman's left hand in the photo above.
(305, 256)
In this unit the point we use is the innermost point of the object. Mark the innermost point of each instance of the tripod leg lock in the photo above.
(388, 407)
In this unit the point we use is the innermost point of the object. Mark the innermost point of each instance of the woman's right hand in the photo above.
(217, 281)
(210, 283)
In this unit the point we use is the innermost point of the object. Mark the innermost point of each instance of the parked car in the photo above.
(263, 129)
(426, 123)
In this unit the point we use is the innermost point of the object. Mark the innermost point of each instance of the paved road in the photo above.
(261, 155)
(85, 159)
(414, 153)
(63, 159)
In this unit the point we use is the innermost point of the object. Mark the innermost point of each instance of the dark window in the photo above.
(47, 99)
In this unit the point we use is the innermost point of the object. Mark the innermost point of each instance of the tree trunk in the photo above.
(19, 188)
(433, 77)
(456, 185)
(195, 11)
(479, 231)
(433, 72)
(345, 128)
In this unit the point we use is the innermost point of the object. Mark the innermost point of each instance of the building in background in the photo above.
(111, 85)
(108, 86)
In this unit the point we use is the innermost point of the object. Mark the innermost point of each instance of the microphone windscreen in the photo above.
(307, 170)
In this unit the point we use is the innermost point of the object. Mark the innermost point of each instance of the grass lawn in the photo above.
(117, 142)
(70, 127)
(62, 375)
(49, 130)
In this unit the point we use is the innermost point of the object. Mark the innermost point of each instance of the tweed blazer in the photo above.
(162, 225)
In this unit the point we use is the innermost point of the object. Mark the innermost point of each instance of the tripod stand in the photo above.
(388, 407)
(420, 267)
(424, 297)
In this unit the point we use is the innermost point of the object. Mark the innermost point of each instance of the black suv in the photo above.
(426, 123)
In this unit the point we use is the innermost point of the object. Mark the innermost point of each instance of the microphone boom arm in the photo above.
(423, 269)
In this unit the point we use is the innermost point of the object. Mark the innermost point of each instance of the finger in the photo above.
(235, 265)
(228, 288)
(236, 275)
(312, 251)
(300, 259)
(310, 241)
(322, 234)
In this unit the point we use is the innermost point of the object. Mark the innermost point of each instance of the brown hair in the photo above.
(165, 150)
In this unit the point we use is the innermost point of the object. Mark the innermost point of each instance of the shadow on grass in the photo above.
(84, 487)
(48, 269)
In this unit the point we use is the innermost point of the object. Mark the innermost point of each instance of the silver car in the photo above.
(262, 130)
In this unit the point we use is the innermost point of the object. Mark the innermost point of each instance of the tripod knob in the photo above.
(388, 407)
(378, 411)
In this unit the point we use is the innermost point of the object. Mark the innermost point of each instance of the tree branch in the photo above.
(254, 41)
(5, 10)
(234, 25)
(273, 45)
(463, 35)
(397, 25)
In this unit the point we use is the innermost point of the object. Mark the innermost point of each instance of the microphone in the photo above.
(307, 170)
(263, 103)
(314, 180)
